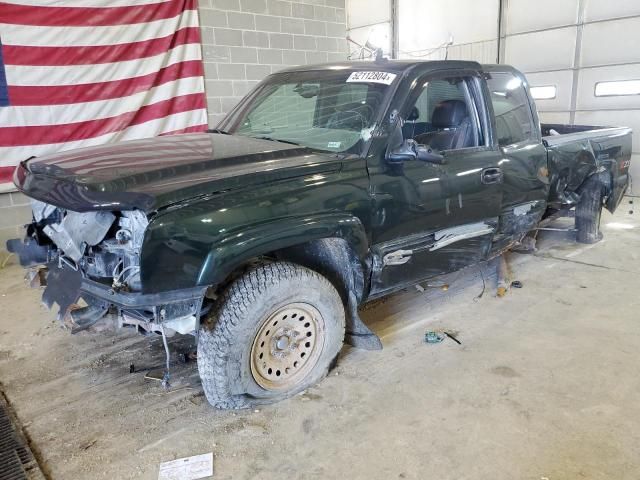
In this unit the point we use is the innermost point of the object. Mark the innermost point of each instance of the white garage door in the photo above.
(583, 56)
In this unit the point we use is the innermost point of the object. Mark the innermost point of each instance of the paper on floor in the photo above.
(190, 468)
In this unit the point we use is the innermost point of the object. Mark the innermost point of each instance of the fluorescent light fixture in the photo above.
(621, 87)
(546, 92)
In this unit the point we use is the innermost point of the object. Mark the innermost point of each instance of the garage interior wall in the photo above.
(15, 211)
(570, 45)
(369, 20)
(472, 26)
(243, 41)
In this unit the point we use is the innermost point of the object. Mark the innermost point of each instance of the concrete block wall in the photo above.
(15, 211)
(243, 41)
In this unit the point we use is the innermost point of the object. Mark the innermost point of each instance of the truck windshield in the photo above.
(333, 111)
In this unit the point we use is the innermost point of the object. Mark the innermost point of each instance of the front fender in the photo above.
(252, 241)
(201, 241)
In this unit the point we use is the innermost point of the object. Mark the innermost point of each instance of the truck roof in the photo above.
(395, 66)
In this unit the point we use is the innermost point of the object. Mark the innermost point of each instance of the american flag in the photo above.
(76, 73)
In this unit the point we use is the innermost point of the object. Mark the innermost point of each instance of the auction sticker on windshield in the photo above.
(385, 78)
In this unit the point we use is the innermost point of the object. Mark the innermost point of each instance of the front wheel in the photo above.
(589, 212)
(275, 332)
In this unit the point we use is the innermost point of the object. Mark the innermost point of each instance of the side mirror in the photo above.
(405, 152)
(426, 154)
(400, 150)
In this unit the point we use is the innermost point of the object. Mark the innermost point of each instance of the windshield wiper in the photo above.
(277, 140)
(217, 130)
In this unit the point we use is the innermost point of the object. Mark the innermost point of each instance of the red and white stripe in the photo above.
(88, 72)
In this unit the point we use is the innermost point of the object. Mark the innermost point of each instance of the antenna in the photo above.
(447, 45)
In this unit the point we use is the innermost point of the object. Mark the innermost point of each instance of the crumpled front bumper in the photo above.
(65, 286)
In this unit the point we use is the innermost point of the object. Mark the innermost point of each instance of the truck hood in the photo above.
(153, 173)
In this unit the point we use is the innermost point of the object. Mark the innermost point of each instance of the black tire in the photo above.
(589, 211)
(226, 338)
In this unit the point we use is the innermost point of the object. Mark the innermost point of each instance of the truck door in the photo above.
(432, 218)
(523, 164)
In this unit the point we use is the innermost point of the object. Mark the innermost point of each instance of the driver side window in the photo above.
(443, 116)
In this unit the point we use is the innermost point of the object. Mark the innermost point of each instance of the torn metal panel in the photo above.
(451, 235)
(63, 289)
(399, 257)
(398, 264)
(28, 251)
(521, 218)
(77, 230)
(524, 208)
(41, 210)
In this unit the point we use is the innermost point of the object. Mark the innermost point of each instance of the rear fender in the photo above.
(247, 242)
(571, 169)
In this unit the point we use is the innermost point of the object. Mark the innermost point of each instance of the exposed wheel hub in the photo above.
(284, 342)
(287, 346)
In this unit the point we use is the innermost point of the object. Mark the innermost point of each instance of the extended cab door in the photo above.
(432, 218)
(525, 187)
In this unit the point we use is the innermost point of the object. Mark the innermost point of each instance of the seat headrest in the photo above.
(449, 113)
(414, 114)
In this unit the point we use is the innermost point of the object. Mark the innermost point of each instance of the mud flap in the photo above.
(358, 335)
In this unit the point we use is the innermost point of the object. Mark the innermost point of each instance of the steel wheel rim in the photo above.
(287, 346)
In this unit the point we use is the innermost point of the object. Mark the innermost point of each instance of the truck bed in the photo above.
(558, 133)
(576, 152)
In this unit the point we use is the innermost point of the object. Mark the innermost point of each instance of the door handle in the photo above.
(491, 175)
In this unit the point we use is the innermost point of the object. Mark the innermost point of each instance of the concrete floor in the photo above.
(544, 385)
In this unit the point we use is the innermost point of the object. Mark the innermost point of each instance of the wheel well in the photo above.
(332, 258)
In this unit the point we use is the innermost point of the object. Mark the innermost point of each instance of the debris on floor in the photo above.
(503, 275)
(189, 468)
(433, 337)
(442, 286)
(437, 337)
(453, 337)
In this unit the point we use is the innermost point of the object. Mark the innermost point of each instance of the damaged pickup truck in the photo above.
(326, 187)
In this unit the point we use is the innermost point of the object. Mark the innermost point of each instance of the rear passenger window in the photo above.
(514, 122)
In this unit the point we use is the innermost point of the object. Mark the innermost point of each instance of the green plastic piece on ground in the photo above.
(433, 337)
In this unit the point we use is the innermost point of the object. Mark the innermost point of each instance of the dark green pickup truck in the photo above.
(327, 186)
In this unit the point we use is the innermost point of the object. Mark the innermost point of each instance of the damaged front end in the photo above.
(89, 263)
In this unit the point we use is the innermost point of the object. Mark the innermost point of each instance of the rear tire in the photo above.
(589, 211)
(275, 332)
